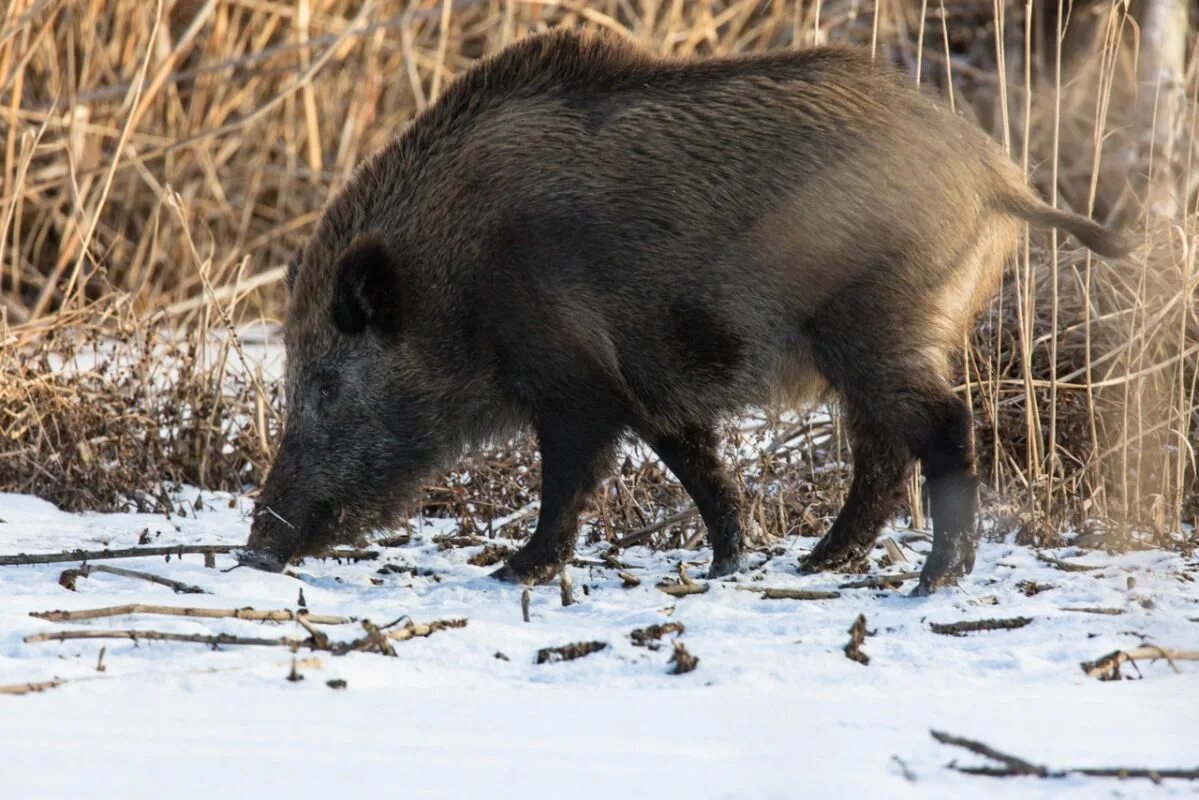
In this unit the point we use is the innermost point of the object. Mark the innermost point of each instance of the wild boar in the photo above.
(590, 242)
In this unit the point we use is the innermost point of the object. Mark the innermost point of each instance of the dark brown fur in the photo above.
(592, 242)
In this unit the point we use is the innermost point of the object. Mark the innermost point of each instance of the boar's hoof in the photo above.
(831, 558)
(725, 565)
(526, 575)
(262, 561)
(944, 566)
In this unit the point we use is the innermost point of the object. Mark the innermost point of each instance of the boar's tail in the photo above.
(1103, 241)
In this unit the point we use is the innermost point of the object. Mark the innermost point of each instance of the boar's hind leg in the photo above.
(946, 452)
(929, 422)
(880, 461)
(899, 406)
(694, 460)
(575, 452)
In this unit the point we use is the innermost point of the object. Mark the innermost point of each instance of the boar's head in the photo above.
(364, 406)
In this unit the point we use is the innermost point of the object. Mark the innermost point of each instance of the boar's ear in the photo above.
(366, 291)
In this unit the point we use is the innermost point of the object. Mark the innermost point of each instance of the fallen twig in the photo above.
(161, 636)
(29, 688)
(207, 550)
(69, 576)
(857, 635)
(569, 652)
(278, 615)
(99, 555)
(1110, 612)
(449, 542)
(414, 630)
(375, 640)
(682, 589)
(349, 554)
(881, 581)
(1065, 566)
(639, 536)
(770, 593)
(1107, 668)
(976, 625)
(1013, 766)
(629, 581)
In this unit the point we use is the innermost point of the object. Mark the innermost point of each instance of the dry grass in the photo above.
(162, 160)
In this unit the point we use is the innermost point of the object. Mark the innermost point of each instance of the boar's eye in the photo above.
(327, 390)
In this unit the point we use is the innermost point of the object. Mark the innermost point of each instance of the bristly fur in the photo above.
(592, 241)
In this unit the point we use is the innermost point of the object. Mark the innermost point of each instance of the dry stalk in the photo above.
(280, 615)
(68, 577)
(772, 593)
(881, 581)
(99, 555)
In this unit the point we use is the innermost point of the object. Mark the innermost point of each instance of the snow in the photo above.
(774, 709)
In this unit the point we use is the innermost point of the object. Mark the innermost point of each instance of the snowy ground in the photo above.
(774, 709)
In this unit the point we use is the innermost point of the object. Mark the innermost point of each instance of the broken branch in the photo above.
(1107, 668)
(413, 630)
(277, 615)
(550, 655)
(974, 626)
(29, 688)
(129, 552)
(1065, 566)
(682, 589)
(1013, 766)
(881, 581)
(770, 593)
(214, 640)
(69, 576)
(639, 536)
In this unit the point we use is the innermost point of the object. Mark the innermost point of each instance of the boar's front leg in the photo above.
(575, 452)
(694, 460)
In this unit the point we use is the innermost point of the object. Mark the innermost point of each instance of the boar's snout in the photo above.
(273, 541)
(290, 519)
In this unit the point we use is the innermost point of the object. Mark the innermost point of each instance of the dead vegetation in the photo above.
(1107, 668)
(681, 660)
(857, 637)
(568, 652)
(161, 163)
(976, 625)
(650, 635)
(376, 639)
(1012, 766)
